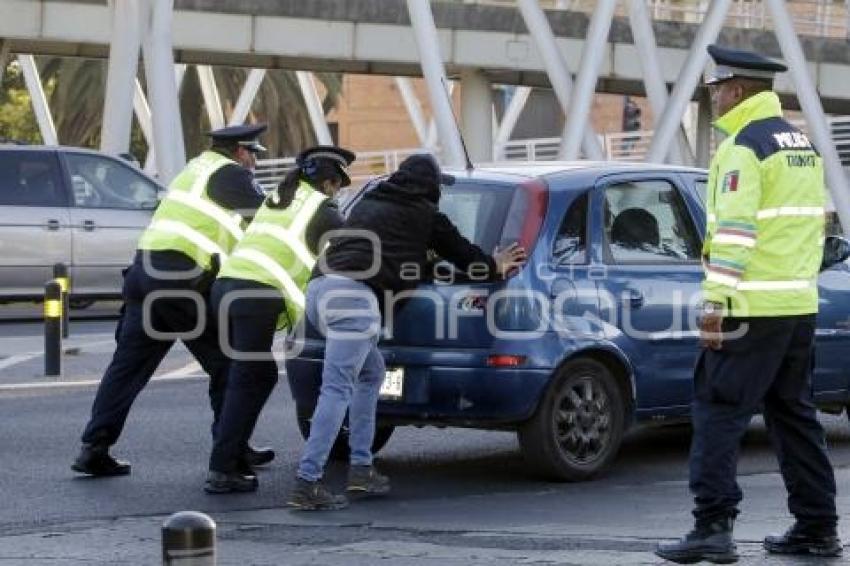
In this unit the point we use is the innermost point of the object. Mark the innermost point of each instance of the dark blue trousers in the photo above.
(138, 354)
(768, 369)
(252, 322)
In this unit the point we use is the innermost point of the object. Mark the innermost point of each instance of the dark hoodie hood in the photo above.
(418, 176)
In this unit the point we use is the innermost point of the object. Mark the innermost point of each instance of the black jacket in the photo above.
(402, 213)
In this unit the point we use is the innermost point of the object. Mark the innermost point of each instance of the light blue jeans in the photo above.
(346, 312)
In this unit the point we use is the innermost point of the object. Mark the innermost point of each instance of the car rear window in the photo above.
(478, 210)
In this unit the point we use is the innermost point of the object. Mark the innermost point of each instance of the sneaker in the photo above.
(232, 482)
(94, 460)
(801, 540)
(711, 542)
(366, 480)
(314, 496)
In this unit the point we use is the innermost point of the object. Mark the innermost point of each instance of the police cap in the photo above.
(731, 63)
(341, 158)
(245, 135)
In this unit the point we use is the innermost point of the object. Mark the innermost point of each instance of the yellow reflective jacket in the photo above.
(766, 197)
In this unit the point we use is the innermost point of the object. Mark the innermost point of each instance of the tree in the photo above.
(76, 88)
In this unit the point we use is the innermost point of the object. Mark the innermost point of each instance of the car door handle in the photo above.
(88, 225)
(53, 225)
(633, 298)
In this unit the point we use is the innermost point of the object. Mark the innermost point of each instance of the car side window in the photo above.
(648, 222)
(100, 182)
(570, 245)
(30, 178)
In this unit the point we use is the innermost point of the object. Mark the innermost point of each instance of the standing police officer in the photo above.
(165, 291)
(762, 251)
(260, 289)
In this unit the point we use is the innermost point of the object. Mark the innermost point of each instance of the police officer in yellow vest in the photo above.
(762, 251)
(195, 227)
(260, 289)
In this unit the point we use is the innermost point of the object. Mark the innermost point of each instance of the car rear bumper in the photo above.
(462, 396)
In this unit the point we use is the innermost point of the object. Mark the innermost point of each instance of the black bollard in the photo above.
(60, 274)
(188, 539)
(52, 329)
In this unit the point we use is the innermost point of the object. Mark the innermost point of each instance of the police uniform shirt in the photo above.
(232, 187)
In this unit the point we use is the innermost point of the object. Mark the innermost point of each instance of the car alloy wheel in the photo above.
(579, 423)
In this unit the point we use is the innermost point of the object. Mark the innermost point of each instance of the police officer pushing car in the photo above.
(195, 227)
(762, 251)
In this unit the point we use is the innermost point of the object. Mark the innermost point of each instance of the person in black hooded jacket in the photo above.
(384, 243)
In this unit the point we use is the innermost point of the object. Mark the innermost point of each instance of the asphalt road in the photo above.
(459, 496)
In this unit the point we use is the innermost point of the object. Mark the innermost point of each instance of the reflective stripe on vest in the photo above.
(260, 259)
(180, 229)
(286, 237)
(790, 211)
(735, 283)
(215, 212)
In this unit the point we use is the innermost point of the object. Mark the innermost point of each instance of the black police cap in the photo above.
(245, 135)
(341, 157)
(731, 63)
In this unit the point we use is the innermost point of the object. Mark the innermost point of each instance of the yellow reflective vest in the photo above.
(765, 214)
(188, 221)
(274, 251)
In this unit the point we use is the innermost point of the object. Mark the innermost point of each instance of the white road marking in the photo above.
(27, 356)
(18, 359)
(84, 383)
(189, 369)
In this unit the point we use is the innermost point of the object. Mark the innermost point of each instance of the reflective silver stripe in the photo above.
(790, 211)
(774, 285)
(286, 237)
(721, 278)
(306, 213)
(712, 217)
(292, 290)
(210, 209)
(205, 165)
(180, 229)
(734, 239)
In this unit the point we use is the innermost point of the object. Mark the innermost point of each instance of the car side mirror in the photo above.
(835, 250)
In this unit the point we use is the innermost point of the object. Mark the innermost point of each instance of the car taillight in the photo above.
(537, 197)
(505, 361)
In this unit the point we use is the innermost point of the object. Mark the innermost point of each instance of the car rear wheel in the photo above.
(340, 450)
(578, 427)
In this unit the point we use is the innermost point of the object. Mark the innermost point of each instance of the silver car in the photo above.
(75, 206)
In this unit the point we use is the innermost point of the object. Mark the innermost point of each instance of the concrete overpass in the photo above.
(374, 36)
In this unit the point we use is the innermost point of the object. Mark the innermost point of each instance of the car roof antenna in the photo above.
(469, 166)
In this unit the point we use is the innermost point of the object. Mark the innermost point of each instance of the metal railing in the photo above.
(823, 18)
(618, 146)
(369, 164)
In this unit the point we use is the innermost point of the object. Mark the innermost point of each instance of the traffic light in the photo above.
(631, 116)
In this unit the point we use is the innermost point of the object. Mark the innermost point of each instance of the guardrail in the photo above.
(823, 18)
(618, 146)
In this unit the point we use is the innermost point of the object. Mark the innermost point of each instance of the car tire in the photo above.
(340, 450)
(579, 424)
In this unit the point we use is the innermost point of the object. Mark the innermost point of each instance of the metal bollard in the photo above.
(60, 274)
(188, 539)
(52, 329)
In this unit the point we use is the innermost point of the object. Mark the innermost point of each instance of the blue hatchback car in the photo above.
(597, 333)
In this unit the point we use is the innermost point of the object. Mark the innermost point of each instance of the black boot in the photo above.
(230, 482)
(94, 460)
(709, 541)
(258, 456)
(800, 539)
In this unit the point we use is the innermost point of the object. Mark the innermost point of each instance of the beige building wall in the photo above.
(371, 115)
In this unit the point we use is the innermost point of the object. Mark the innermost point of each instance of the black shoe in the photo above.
(232, 482)
(802, 540)
(711, 542)
(366, 480)
(94, 460)
(314, 496)
(258, 456)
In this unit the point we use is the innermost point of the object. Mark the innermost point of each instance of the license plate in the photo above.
(393, 385)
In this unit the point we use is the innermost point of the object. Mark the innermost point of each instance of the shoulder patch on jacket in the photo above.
(772, 135)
